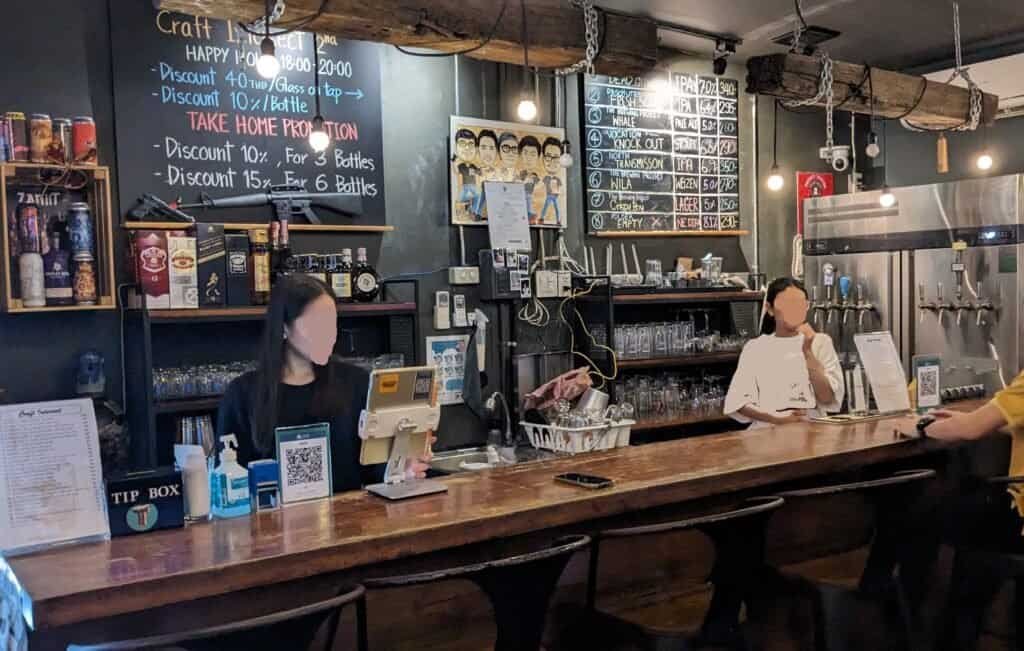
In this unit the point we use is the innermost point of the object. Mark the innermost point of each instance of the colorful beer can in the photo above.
(61, 145)
(5, 154)
(41, 130)
(85, 281)
(83, 136)
(29, 228)
(80, 231)
(17, 136)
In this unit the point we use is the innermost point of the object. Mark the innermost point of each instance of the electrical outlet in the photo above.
(464, 275)
(564, 283)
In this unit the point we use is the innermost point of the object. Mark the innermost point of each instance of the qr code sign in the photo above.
(928, 385)
(304, 465)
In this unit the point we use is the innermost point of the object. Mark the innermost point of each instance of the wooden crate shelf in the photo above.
(257, 312)
(697, 359)
(93, 183)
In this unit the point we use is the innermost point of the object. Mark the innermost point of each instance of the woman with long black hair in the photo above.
(790, 372)
(297, 382)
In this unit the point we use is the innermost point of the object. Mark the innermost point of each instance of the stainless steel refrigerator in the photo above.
(938, 268)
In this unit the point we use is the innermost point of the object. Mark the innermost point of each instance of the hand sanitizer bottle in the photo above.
(229, 482)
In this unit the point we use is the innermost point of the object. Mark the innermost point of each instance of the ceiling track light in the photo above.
(721, 58)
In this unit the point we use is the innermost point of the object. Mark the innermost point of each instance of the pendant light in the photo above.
(267, 65)
(527, 109)
(775, 180)
(318, 138)
(887, 199)
(565, 160)
(984, 160)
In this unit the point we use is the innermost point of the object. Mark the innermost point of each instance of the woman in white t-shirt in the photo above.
(789, 374)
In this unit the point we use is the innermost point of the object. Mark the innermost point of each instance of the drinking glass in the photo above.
(645, 345)
(632, 338)
(661, 340)
(620, 342)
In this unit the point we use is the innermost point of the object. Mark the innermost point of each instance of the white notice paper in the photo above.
(51, 477)
(507, 223)
(885, 371)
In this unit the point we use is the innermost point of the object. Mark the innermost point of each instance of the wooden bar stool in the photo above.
(877, 583)
(288, 629)
(519, 588)
(738, 539)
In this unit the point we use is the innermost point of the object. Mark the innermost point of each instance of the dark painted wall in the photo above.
(38, 353)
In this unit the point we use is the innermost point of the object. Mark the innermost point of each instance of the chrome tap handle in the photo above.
(979, 321)
(920, 293)
(940, 292)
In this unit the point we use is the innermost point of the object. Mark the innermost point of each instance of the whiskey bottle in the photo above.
(365, 281)
(285, 264)
(346, 276)
(259, 243)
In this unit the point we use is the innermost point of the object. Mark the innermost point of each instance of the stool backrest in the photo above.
(898, 479)
(756, 507)
(288, 629)
(561, 547)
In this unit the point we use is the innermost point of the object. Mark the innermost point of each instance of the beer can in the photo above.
(4, 141)
(29, 228)
(41, 130)
(33, 287)
(18, 136)
(79, 221)
(83, 136)
(61, 146)
(85, 281)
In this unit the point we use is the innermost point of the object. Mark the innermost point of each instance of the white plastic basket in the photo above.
(574, 440)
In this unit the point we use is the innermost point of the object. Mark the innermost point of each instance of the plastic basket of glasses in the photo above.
(576, 433)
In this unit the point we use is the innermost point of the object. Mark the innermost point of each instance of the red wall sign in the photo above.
(811, 184)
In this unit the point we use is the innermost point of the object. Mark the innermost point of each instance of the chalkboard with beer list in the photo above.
(661, 153)
(195, 118)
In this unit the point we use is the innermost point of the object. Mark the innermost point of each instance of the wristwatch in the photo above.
(922, 425)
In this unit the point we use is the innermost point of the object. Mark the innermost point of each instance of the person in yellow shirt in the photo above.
(982, 519)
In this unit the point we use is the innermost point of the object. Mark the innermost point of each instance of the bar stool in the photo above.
(519, 588)
(878, 583)
(738, 539)
(288, 629)
(977, 575)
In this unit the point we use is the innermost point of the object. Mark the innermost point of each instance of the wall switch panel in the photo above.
(463, 275)
(442, 311)
(546, 284)
(459, 319)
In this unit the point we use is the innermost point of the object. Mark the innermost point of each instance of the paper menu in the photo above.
(884, 370)
(51, 476)
(507, 222)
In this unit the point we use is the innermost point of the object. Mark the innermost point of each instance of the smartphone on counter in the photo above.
(584, 481)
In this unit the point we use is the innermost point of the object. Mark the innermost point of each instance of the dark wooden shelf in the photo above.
(690, 419)
(257, 312)
(187, 405)
(683, 296)
(683, 360)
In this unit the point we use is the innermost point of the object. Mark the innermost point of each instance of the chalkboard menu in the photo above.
(194, 116)
(661, 153)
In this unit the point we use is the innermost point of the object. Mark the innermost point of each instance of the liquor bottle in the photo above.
(57, 274)
(259, 246)
(275, 250)
(365, 281)
(285, 265)
(345, 293)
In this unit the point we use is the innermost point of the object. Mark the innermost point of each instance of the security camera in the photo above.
(838, 156)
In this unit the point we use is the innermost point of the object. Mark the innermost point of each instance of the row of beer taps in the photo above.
(940, 306)
(844, 305)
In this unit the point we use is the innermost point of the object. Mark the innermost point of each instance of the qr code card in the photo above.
(304, 454)
(926, 372)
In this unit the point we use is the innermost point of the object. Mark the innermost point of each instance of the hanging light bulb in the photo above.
(887, 199)
(566, 159)
(267, 65)
(984, 161)
(318, 138)
(775, 180)
(526, 110)
(872, 150)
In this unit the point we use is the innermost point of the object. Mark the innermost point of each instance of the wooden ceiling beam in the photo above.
(925, 103)
(555, 31)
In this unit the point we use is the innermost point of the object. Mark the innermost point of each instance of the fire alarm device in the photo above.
(459, 311)
(442, 311)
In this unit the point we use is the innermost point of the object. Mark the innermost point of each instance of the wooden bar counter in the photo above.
(90, 582)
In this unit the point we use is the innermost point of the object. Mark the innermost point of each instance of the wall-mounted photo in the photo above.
(486, 150)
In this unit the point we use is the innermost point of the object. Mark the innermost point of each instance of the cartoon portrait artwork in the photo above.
(486, 150)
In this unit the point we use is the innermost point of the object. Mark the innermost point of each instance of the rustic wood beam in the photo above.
(555, 30)
(923, 102)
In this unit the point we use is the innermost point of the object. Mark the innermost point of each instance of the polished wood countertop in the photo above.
(91, 581)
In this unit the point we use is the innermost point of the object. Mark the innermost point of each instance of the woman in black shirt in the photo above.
(297, 383)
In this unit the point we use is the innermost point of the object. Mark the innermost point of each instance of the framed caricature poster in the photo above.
(486, 150)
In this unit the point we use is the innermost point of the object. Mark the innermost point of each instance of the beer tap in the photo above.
(845, 305)
(940, 304)
(829, 277)
(984, 305)
(924, 305)
(958, 272)
(863, 307)
(817, 307)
